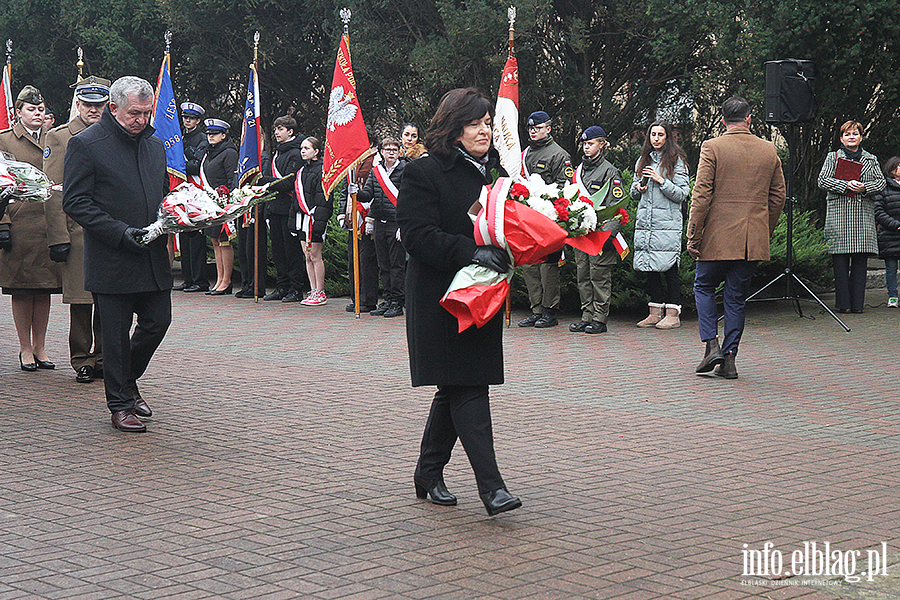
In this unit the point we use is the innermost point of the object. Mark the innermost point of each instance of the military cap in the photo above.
(92, 89)
(537, 117)
(31, 95)
(216, 126)
(191, 109)
(593, 132)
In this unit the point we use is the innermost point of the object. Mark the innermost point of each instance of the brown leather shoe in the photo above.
(141, 408)
(124, 420)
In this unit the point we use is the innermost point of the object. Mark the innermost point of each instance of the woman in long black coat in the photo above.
(217, 169)
(432, 211)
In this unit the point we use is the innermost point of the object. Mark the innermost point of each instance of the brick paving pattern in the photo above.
(279, 461)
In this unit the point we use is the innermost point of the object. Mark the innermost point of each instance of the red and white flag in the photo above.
(7, 115)
(346, 140)
(506, 120)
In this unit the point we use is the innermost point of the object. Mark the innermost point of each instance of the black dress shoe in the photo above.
(437, 490)
(194, 288)
(351, 308)
(379, 310)
(244, 293)
(499, 501)
(595, 327)
(225, 292)
(85, 374)
(530, 320)
(394, 310)
(293, 296)
(712, 357)
(179, 287)
(579, 327)
(125, 420)
(32, 366)
(276, 294)
(141, 408)
(45, 364)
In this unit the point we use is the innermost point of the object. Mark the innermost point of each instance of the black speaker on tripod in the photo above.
(790, 92)
(791, 101)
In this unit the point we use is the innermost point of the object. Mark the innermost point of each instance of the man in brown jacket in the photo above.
(66, 238)
(735, 205)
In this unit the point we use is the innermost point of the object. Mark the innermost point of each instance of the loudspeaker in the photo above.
(790, 91)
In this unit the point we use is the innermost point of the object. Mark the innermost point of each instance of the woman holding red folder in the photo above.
(850, 176)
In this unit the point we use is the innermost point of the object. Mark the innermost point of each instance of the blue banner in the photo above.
(168, 129)
(249, 157)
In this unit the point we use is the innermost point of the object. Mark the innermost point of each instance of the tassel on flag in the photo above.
(506, 114)
(7, 116)
(165, 121)
(346, 140)
(249, 158)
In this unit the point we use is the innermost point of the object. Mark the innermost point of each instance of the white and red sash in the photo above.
(576, 178)
(384, 180)
(275, 172)
(525, 172)
(301, 197)
(305, 216)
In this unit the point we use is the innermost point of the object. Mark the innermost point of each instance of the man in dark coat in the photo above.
(193, 243)
(115, 178)
(66, 239)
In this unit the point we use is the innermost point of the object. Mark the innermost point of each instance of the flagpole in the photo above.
(80, 63)
(511, 15)
(351, 176)
(256, 207)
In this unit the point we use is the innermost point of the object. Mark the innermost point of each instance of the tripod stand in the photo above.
(788, 274)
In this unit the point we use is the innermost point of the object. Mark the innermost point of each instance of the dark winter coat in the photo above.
(287, 162)
(432, 211)
(220, 164)
(112, 182)
(381, 208)
(887, 214)
(311, 182)
(195, 146)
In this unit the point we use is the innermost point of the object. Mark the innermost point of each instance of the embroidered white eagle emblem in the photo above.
(340, 109)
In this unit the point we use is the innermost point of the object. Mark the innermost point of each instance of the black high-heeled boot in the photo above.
(499, 501)
(438, 491)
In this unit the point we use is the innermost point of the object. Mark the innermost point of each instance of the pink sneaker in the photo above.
(316, 299)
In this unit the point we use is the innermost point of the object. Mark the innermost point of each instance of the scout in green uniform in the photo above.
(594, 273)
(546, 158)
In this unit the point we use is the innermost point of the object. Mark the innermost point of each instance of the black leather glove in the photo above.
(5, 240)
(60, 252)
(130, 239)
(492, 257)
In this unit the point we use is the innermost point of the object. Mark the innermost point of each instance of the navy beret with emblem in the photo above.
(537, 117)
(593, 132)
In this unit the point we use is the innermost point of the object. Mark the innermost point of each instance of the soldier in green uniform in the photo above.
(66, 238)
(546, 158)
(594, 273)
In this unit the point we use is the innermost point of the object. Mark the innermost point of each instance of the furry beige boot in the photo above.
(672, 318)
(656, 315)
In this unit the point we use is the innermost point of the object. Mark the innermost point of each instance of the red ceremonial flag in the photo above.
(7, 118)
(346, 140)
(506, 119)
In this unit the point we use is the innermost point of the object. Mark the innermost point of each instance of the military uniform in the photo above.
(547, 159)
(594, 273)
(26, 267)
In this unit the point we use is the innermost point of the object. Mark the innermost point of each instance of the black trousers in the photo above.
(668, 294)
(193, 258)
(849, 280)
(462, 412)
(85, 341)
(125, 358)
(290, 265)
(368, 270)
(246, 258)
(391, 260)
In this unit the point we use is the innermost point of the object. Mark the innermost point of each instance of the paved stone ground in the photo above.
(279, 463)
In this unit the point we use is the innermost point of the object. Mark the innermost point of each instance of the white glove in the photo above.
(370, 228)
(341, 218)
(352, 188)
(397, 235)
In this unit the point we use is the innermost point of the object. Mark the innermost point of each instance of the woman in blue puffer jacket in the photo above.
(661, 184)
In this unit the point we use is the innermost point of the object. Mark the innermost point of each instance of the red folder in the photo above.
(848, 170)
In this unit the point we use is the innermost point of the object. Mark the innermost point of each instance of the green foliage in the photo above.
(811, 261)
